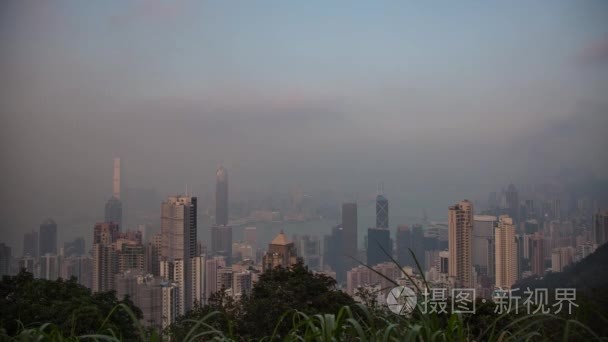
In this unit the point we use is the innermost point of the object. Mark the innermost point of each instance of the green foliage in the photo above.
(69, 307)
(282, 291)
(270, 307)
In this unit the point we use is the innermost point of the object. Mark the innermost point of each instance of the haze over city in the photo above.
(172, 169)
(437, 103)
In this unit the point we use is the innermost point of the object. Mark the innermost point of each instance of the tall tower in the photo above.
(460, 234)
(505, 253)
(113, 209)
(48, 237)
(221, 197)
(381, 210)
(178, 230)
(116, 179)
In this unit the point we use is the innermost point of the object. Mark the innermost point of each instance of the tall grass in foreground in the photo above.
(354, 324)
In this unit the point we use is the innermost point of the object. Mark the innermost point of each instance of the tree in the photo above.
(64, 303)
(281, 291)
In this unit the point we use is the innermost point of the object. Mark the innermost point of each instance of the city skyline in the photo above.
(281, 101)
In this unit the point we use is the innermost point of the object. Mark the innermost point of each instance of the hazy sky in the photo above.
(440, 102)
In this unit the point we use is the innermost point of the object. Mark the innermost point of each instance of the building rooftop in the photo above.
(280, 239)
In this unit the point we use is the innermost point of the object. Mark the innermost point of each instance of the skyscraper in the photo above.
(113, 211)
(30, 244)
(460, 226)
(537, 254)
(378, 246)
(178, 229)
(410, 239)
(48, 237)
(221, 197)
(349, 234)
(381, 211)
(334, 255)
(483, 229)
(221, 242)
(505, 253)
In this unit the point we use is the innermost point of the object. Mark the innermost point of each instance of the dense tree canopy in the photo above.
(278, 292)
(64, 303)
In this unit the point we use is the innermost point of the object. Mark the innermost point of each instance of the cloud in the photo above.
(149, 10)
(595, 53)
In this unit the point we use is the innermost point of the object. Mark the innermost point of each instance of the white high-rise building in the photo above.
(460, 234)
(198, 279)
(505, 253)
(178, 230)
(241, 283)
(170, 298)
(49, 266)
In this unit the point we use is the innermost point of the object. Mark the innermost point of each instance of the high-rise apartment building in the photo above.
(105, 259)
(460, 231)
(170, 299)
(48, 237)
(146, 293)
(179, 231)
(49, 266)
(537, 254)
(241, 283)
(505, 253)
(153, 254)
(600, 227)
(130, 257)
